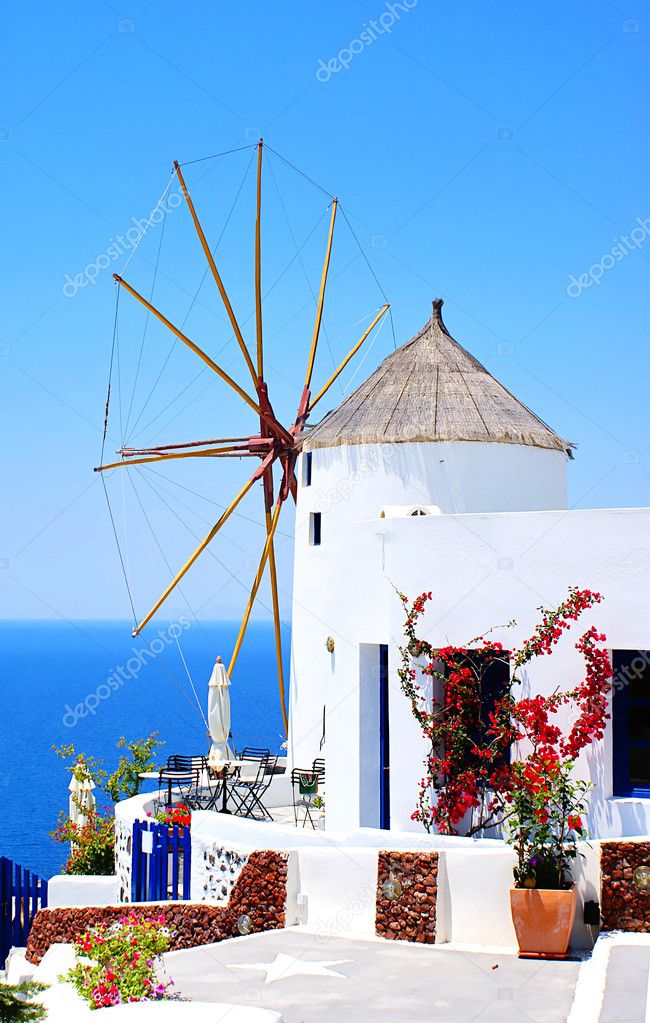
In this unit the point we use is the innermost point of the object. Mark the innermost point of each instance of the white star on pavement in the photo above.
(289, 966)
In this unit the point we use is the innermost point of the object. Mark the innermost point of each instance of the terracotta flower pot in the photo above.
(543, 918)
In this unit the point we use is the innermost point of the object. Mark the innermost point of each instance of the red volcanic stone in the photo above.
(411, 917)
(260, 892)
(624, 906)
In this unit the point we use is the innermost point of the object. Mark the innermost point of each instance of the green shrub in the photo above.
(16, 1005)
(92, 844)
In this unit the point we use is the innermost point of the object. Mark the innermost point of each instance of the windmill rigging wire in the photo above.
(365, 355)
(190, 531)
(309, 302)
(304, 269)
(172, 401)
(159, 546)
(215, 156)
(146, 324)
(114, 345)
(298, 171)
(168, 671)
(148, 224)
(119, 550)
(110, 374)
(191, 681)
(192, 303)
(162, 490)
(370, 267)
(209, 550)
(220, 238)
(119, 374)
(262, 716)
(243, 322)
(181, 591)
(222, 507)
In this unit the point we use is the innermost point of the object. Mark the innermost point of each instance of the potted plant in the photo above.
(545, 824)
(500, 759)
(179, 814)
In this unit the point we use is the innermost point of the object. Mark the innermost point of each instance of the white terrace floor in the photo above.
(312, 978)
(285, 815)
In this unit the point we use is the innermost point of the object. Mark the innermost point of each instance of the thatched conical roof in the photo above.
(431, 389)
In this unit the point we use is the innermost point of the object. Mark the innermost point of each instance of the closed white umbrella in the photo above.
(219, 714)
(81, 794)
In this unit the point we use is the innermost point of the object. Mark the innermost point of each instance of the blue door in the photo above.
(384, 740)
(631, 722)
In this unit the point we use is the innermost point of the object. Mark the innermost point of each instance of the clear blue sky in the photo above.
(490, 154)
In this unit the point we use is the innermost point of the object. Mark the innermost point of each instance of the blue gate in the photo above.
(22, 894)
(160, 862)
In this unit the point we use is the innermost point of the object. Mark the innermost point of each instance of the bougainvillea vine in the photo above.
(469, 766)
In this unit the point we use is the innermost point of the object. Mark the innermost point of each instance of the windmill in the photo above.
(274, 445)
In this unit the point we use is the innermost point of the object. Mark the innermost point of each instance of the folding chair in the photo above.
(197, 787)
(184, 781)
(254, 753)
(304, 786)
(247, 792)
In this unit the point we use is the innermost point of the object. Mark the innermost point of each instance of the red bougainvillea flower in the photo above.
(469, 766)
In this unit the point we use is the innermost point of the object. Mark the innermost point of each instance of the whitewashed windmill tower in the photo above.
(431, 431)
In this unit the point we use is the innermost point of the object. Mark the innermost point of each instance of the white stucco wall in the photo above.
(91, 890)
(332, 876)
(351, 484)
(483, 569)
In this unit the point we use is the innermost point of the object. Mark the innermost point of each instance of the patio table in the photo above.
(225, 769)
(169, 776)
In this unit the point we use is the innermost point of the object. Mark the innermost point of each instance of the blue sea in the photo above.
(88, 683)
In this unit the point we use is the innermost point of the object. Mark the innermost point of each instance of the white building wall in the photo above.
(352, 484)
(483, 569)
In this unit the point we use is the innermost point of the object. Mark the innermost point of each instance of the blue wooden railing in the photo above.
(160, 862)
(22, 894)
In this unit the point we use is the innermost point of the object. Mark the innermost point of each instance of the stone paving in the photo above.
(310, 978)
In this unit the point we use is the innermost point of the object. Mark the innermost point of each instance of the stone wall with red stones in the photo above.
(412, 916)
(623, 905)
(260, 893)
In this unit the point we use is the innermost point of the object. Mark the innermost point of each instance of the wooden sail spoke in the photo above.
(349, 356)
(190, 344)
(215, 273)
(321, 297)
(231, 452)
(258, 265)
(161, 448)
(256, 585)
(199, 550)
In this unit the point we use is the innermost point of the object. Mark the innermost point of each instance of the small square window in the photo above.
(314, 529)
(306, 469)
